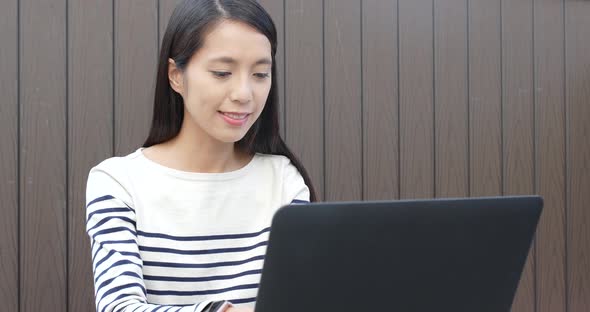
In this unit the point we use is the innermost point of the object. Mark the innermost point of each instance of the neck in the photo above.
(195, 151)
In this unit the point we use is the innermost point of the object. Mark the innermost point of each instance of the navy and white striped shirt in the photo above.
(169, 240)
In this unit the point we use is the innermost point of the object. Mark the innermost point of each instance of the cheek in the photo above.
(262, 94)
(203, 93)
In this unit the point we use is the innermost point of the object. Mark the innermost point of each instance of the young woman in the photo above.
(182, 223)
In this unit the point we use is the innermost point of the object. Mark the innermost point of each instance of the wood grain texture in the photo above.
(450, 98)
(550, 154)
(43, 243)
(9, 156)
(485, 98)
(518, 122)
(342, 57)
(416, 98)
(276, 9)
(90, 130)
(304, 107)
(136, 39)
(380, 100)
(577, 57)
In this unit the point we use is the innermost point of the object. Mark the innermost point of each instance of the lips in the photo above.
(235, 119)
(235, 115)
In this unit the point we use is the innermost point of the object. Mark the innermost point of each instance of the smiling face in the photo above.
(226, 82)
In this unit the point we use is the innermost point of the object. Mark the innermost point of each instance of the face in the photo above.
(226, 83)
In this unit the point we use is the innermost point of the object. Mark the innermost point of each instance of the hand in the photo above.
(236, 309)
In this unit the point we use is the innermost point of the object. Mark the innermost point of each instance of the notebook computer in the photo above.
(463, 254)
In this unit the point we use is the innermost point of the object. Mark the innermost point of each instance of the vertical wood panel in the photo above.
(43, 155)
(550, 154)
(304, 108)
(517, 121)
(485, 121)
(578, 153)
(416, 98)
(90, 129)
(276, 9)
(450, 98)
(380, 100)
(342, 57)
(136, 37)
(166, 7)
(9, 156)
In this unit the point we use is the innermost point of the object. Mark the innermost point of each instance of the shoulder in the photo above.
(293, 186)
(116, 165)
(278, 161)
(111, 177)
(281, 165)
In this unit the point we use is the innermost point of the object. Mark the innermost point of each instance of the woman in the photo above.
(182, 223)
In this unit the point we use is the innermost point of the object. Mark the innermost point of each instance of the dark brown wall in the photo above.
(381, 99)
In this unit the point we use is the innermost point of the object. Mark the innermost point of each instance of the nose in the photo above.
(241, 91)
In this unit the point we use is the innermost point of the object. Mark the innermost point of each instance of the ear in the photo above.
(175, 77)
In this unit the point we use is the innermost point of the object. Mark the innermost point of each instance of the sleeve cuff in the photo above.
(218, 306)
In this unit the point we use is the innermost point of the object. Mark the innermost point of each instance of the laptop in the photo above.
(463, 254)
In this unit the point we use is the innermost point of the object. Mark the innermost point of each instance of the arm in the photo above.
(295, 191)
(116, 262)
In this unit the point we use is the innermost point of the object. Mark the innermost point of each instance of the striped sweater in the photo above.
(170, 240)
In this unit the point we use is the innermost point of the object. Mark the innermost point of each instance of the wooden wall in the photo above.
(380, 98)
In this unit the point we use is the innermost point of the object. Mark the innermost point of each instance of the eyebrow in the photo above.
(229, 60)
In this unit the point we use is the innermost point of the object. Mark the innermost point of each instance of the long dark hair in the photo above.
(184, 35)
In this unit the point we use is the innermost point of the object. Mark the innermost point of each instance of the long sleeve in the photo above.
(117, 264)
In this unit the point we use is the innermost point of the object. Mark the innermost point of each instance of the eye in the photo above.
(262, 75)
(219, 74)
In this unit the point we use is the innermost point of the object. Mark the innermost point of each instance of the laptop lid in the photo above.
(462, 254)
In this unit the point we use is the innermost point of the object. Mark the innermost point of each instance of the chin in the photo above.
(229, 138)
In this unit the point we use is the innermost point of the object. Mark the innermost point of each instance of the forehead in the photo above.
(235, 40)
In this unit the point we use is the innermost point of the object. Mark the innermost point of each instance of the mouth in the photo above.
(234, 118)
(234, 115)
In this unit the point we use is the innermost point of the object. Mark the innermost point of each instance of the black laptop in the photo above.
(456, 255)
